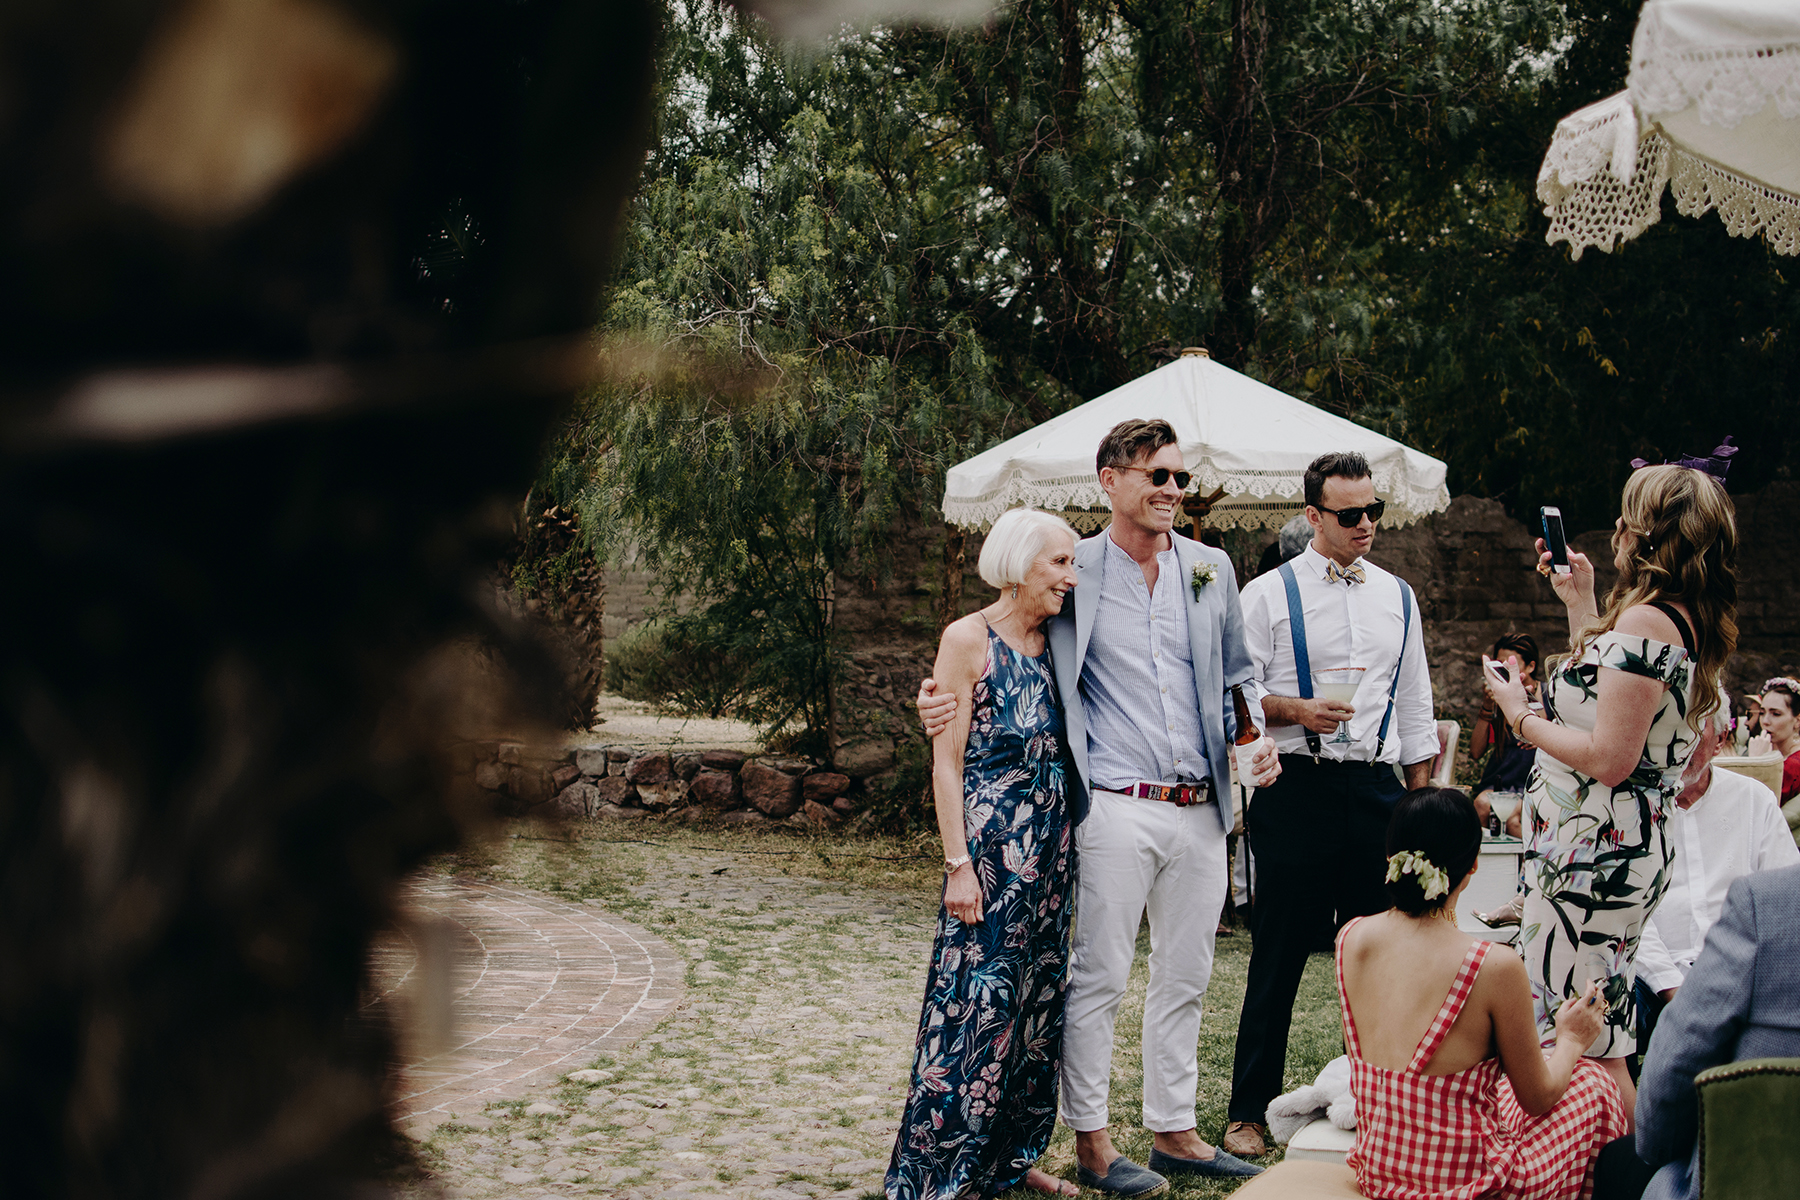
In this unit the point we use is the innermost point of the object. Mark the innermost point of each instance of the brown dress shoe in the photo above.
(1245, 1139)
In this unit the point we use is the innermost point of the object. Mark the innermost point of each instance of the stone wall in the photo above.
(585, 778)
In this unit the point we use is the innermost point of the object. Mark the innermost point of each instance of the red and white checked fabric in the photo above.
(1462, 1136)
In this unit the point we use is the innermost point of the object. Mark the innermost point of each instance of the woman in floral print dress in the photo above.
(1619, 721)
(983, 1098)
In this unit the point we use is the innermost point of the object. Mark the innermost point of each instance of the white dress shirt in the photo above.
(1347, 625)
(1732, 829)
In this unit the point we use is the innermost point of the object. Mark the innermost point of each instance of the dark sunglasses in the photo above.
(1350, 518)
(1161, 475)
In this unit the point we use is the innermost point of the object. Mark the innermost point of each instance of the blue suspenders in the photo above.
(1302, 664)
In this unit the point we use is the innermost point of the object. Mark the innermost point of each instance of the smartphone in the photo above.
(1554, 541)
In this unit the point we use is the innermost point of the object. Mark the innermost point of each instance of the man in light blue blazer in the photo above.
(1741, 1000)
(1147, 646)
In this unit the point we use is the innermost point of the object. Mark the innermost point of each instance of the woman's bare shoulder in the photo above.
(964, 641)
(966, 631)
(1502, 971)
(1361, 937)
(1642, 620)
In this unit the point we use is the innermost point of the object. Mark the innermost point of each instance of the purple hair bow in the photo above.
(1715, 464)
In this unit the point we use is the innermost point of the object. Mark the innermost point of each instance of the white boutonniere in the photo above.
(1204, 573)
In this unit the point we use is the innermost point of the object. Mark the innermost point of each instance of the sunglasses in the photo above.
(1350, 518)
(1161, 475)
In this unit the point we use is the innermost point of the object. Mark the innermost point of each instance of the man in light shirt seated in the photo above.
(1723, 826)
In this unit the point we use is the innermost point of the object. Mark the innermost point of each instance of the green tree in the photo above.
(849, 268)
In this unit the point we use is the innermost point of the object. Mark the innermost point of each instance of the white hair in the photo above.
(1014, 543)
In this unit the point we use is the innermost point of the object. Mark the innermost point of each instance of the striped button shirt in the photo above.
(1137, 682)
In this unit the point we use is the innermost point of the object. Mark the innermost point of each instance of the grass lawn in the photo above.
(644, 871)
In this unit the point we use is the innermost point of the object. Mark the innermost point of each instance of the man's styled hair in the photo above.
(1128, 441)
(1340, 464)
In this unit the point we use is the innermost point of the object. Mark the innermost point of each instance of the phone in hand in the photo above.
(1554, 541)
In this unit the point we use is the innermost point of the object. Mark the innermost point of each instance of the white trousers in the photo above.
(1139, 856)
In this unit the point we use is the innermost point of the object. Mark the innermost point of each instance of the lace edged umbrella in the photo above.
(1711, 111)
(1246, 444)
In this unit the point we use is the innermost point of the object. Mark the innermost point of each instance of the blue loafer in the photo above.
(1124, 1178)
(1220, 1164)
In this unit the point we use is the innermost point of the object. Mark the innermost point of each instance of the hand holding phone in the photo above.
(1550, 518)
(1500, 684)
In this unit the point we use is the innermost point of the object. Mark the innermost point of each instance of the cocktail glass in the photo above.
(1504, 805)
(1338, 685)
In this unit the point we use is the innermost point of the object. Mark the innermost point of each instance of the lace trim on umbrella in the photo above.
(1726, 83)
(1253, 499)
(1585, 144)
(1589, 206)
(1746, 206)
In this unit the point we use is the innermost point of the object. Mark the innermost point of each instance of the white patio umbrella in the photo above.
(1247, 445)
(1711, 111)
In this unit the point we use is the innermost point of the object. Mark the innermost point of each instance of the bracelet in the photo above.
(951, 864)
(1518, 727)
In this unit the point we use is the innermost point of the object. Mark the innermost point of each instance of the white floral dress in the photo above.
(1596, 858)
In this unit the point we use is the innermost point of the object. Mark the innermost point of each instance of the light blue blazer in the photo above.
(1215, 634)
(1741, 1000)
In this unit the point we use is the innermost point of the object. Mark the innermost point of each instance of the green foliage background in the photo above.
(850, 267)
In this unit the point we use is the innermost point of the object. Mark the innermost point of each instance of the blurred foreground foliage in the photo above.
(851, 267)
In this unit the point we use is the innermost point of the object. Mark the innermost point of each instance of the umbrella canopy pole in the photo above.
(953, 575)
(1196, 507)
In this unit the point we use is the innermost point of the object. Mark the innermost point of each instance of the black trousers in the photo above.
(1619, 1174)
(1649, 1011)
(1318, 836)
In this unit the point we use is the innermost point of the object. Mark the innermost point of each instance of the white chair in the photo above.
(1443, 770)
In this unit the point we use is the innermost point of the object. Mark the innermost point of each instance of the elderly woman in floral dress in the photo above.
(983, 1098)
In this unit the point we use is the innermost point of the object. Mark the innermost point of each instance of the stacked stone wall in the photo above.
(596, 780)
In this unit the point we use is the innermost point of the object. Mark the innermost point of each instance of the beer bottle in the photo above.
(1247, 736)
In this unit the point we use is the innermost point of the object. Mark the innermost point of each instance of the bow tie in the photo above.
(1350, 574)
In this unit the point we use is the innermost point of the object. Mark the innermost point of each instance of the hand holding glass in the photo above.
(1338, 685)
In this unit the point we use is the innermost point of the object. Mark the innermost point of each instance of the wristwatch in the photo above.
(950, 864)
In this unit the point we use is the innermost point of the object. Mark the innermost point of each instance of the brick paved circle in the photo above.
(540, 986)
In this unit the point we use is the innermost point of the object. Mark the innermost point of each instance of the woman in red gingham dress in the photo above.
(1477, 1110)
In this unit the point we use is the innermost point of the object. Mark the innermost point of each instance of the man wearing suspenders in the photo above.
(1317, 834)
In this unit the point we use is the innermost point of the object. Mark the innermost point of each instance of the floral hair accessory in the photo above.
(1203, 574)
(1717, 464)
(1432, 879)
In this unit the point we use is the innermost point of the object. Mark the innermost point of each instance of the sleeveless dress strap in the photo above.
(1681, 625)
(1452, 1006)
(1351, 1042)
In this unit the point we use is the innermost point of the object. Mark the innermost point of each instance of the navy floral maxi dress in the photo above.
(983, 1098)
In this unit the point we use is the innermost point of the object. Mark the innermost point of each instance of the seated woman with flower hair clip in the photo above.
(1453, 1095)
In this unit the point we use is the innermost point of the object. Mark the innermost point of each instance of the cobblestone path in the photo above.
(780, 1072)
(540, 987)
